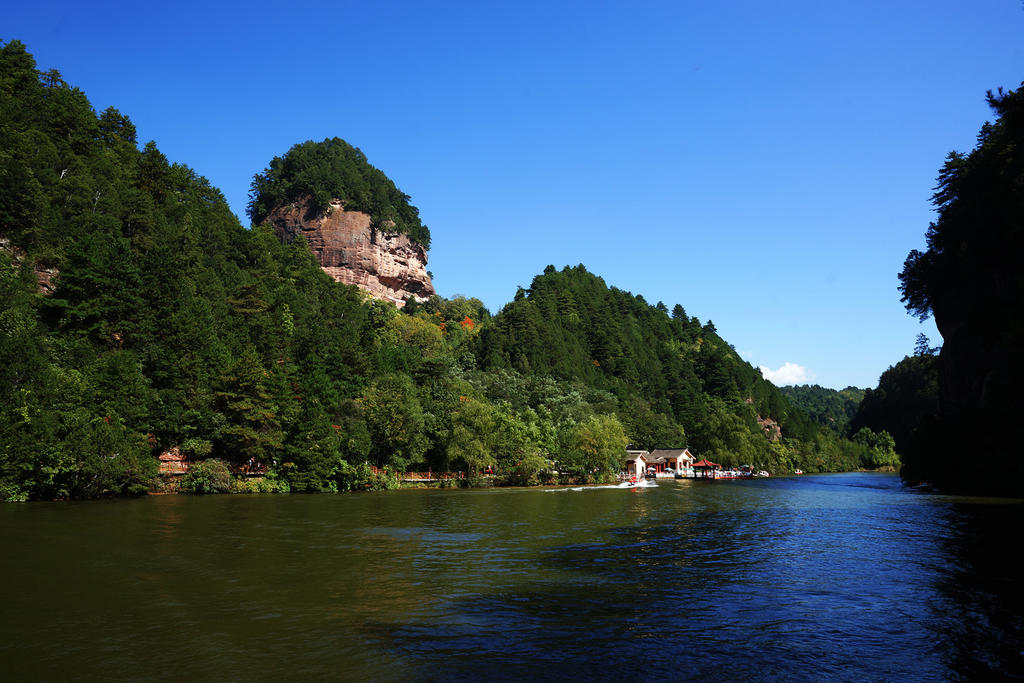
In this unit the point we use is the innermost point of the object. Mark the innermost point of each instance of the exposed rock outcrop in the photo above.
(388, 265)
(771, 428)
(45, 275)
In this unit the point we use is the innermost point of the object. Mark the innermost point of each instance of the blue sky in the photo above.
(766, 165)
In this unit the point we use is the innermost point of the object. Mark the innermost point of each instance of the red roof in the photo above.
(171, 455)
(706, 463)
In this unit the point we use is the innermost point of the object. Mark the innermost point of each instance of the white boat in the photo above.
(637, 483)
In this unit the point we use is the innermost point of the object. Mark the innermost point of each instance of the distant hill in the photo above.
(828, 407)
(663, 366)
(907, 393)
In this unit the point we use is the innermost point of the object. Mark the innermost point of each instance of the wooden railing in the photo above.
(429, 475)
(245, 470)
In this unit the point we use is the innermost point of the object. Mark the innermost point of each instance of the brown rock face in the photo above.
(45, 275)
(387, 265)
(771, 428)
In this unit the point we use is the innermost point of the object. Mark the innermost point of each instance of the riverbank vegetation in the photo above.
(163, 323)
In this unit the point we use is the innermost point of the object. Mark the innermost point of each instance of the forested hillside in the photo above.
(907, 393)
(171, 326)
(843, 414)
(667, 371)
(828, 407)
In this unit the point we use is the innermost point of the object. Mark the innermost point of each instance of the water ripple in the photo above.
(841, 577)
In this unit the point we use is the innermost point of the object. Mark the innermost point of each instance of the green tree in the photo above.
(251, 427)
(881, 448)
(594, 448)
(207, 476)
(394, 417)
(971, 278)
(906, 393)
(471, 444)
(516, 445)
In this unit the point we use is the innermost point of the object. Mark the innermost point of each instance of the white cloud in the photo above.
(789, 373)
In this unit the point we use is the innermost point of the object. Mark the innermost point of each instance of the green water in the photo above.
(838, 576)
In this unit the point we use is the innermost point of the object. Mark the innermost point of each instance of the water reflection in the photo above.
(980, 619)
(838, 577)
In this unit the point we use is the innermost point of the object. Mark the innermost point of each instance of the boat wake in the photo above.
(642, 484)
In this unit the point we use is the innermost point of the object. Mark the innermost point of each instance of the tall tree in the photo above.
(971, 278)
(251, 426)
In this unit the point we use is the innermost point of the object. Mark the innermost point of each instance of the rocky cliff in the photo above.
(771, 428)
(971, 278)
(45, 275)
(388, 265)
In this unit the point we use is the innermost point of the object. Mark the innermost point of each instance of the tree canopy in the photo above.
(971, 278)
(906, 393)
(827, 407)
(980, 201)
(334, 169)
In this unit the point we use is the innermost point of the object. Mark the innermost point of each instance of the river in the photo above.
(840, 577)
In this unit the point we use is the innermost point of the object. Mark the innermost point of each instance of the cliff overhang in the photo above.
(353, 251)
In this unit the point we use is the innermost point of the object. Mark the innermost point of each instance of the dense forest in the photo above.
(334, 169)
(907, 394)
(860, 415)
(971, 278)
(828, 407)
(137, 315)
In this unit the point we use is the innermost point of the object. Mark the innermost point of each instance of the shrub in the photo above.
(261, 485)
(136, 490)
(207, 476)
(12, 493)
(353, 478)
